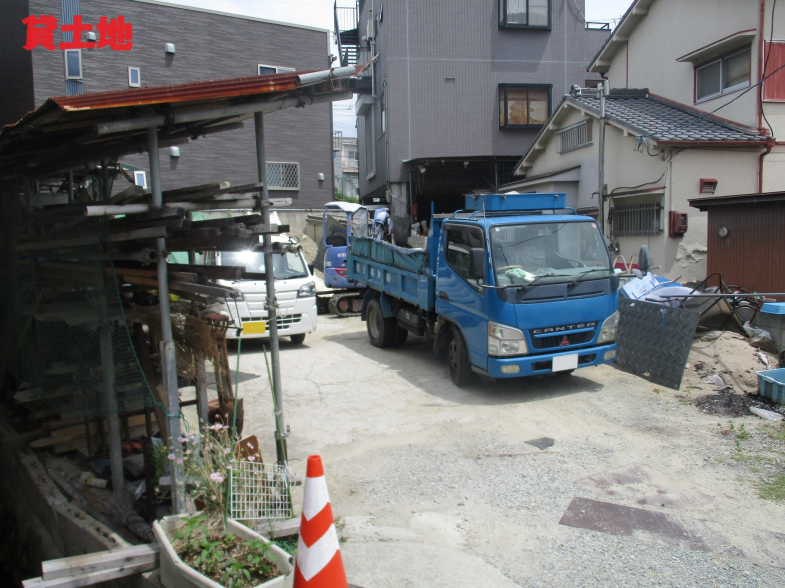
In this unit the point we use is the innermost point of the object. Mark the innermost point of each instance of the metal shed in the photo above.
(746, 239)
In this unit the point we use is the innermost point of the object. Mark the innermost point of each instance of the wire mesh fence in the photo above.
(260, 491)
(67, 338)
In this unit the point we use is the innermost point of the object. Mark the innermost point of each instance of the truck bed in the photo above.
(396, 271)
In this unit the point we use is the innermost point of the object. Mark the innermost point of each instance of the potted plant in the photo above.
(208, 549)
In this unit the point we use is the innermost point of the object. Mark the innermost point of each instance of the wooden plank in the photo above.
(248, 219)
(92, 578)
(195, 193)
(197, 233)
(96, 562)
(75, 432)
(214, 222)
(82, 442)
(210, 244)
(214, 272)
(128, 195)
(151, 233)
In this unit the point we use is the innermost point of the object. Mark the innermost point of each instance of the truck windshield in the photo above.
(285, 265)
(549, 253)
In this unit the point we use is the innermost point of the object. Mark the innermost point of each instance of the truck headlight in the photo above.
(608, 330)
(307, 290)
(505, 341)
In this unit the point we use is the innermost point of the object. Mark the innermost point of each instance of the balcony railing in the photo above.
(598, 26)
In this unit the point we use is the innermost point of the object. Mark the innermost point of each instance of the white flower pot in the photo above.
(176, 574)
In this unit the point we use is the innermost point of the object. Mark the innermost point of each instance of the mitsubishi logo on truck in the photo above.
(564, 342)
(564, 328)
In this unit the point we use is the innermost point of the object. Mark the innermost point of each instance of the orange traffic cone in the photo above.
(319, 563)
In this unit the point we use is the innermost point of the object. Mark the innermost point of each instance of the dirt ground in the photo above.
(437, 486)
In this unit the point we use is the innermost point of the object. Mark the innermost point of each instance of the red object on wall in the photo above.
(774, 87)
(677, 223)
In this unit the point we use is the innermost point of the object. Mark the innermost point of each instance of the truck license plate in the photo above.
(255, 328)
(563, 363)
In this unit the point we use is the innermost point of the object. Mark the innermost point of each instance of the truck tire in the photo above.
(461, 372)
(297, 339)
(383, 332)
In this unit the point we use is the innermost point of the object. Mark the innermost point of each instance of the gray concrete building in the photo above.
(458, 91)
(176, 44)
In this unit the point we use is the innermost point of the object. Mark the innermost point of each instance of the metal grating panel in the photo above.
(283, 176)
(260, 491)
(574, 137)
(654, 341)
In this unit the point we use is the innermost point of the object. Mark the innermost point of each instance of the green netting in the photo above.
(64, 318)
(412, 260)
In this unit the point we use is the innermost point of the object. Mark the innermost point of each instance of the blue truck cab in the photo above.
(341, 221)
(514, 285)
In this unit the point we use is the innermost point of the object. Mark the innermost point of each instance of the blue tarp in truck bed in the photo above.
(410, 260)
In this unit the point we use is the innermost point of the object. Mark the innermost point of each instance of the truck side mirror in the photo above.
(476, 263)
(310, 268)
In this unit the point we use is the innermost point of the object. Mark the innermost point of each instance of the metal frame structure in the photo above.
(71, 132)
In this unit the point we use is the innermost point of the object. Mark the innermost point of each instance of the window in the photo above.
(774, 87)
(459, 241)
(723, 76)
(636, 220)
(523, 106)
(525, 14)
(283, 176)
(73, 64)
(265, 70)
(574, 137)
(134, 77)
(140, 179)
(353, 155)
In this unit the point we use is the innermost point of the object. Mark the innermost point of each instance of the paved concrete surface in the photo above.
(435, 486)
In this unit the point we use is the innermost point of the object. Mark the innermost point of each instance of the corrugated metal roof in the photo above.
(209, 90)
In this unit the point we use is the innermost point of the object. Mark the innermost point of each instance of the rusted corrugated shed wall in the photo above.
(753, 254)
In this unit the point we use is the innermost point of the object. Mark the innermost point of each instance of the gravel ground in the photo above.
(436, 486)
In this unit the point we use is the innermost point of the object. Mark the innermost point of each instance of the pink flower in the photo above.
(170, 456)
(181, 439)
(251, 458)
(226, 426)
(216, 477)
(227, 450)
(250, 446)
(213, 497)
(179, 462)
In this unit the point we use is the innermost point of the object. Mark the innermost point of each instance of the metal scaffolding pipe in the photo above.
(272, 306)
(323, 76)
(244, 204)
(266, 106)
(168, 362)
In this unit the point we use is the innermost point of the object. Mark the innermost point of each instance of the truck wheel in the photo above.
(458, 357)
(400, 336)
(297, 339)
(382, 331)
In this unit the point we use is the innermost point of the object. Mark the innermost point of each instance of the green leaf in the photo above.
(247, 573)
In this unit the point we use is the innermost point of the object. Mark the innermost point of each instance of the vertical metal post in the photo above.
(601, 163)
(189, 215)
(272, 306)
(70, 187)
(201, 391)
(105, 195)
(168, 363)
(110, 394)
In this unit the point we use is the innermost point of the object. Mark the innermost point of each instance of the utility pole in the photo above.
(602, 90)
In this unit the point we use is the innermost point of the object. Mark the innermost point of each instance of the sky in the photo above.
(319, 13)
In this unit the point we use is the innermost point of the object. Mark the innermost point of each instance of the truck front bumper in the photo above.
(535, 365)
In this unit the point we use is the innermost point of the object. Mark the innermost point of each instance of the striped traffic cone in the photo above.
(319, 563)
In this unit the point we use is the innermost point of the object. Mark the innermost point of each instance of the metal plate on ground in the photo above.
(616, 519)
(654, 341)
(542, 443)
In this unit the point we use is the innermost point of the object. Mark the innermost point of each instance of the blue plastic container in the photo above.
(512, 202)
(771, 384)
(774, 308)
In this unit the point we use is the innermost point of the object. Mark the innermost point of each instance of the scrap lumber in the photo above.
(195, 193)
(96, 562)
(91, 578)
(75, 432)
(227, 221)
(130, 194)
(75, 444)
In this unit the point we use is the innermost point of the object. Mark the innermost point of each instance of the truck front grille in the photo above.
(557, 341)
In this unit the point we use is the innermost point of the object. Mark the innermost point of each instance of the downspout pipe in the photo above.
(769, 146)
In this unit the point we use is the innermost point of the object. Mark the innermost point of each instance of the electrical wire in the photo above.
(706, 115)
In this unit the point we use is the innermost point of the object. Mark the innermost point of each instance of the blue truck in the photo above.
(514, 285)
